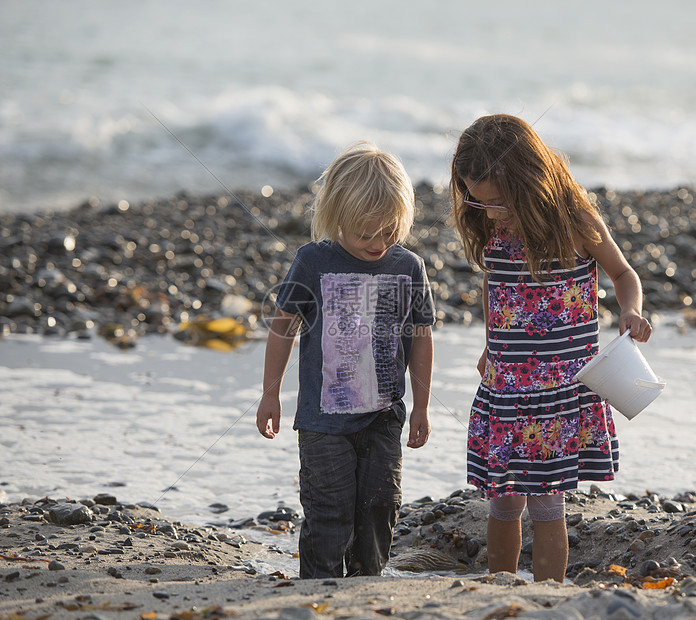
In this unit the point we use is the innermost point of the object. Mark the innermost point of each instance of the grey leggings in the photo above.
(541, 507)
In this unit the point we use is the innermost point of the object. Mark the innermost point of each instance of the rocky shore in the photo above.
(123, 270)
(631, 557)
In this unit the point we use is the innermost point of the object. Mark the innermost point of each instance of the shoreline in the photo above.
(121, 271)
(100, 556)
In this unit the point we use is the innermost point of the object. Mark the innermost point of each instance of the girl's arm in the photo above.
(421, 369)
(481, 366)
(278, 349)
(629, 292)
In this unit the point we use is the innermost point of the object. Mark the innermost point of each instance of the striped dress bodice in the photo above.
(540, 334)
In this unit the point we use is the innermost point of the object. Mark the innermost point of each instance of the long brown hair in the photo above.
(534, 184)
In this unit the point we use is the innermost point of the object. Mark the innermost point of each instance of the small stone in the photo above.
(473, 547)
(167, 530)
(69, 514)
(586, 576)
(55, 565)
(687, 586)
(282, 513)
(428, 517)
(637, 546)
(159, 594)
(300, 613)
(671, 506)
(648, 568)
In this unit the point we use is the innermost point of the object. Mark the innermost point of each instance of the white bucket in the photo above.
(620, 375)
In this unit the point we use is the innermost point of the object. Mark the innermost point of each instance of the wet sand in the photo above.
(110, 560)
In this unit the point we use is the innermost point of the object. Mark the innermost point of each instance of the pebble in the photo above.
(105, 499)
(607, 594)
(672, 507)
(97, 269)
(55, 565)
(69, 514)
(297, 613)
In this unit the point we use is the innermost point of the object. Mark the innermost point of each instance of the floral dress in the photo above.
(533, 428)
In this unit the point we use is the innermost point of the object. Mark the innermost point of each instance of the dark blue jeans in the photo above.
(350, 489)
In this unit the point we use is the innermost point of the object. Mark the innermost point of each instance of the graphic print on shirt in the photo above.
(363, 320)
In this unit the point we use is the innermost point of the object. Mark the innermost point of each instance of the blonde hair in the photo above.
(363, 184)
(533, 182)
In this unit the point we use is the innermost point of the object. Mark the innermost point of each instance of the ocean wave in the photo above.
(244, 138)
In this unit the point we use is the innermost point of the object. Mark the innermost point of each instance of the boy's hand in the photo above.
(268, 416)
(419, 428)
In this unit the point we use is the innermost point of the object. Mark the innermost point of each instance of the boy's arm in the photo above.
(421, 370)
(278, 349)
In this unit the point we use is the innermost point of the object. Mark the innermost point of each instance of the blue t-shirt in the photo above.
(358, 320)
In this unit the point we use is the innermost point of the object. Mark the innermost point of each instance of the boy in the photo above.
(366, 312)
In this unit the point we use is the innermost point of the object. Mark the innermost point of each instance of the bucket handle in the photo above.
(659, 385)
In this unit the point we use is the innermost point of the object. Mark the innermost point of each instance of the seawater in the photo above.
(136, 99)
(174, 425)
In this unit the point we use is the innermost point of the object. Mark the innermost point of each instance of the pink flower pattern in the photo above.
(555, 421)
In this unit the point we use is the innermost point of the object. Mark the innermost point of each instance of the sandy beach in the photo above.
(102, 559)
(92, 335)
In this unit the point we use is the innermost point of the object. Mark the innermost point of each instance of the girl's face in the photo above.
(370, 245)
(484, 195)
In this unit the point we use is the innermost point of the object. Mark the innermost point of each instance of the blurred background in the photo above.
(135, 99)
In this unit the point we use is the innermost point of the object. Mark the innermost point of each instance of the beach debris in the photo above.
(319, 608)
(615, 569)
(11, 557)
(106, 606)
(206, 613)
(118, 335)
(222, 334)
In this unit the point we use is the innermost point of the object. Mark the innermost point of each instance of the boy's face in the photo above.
(370, 244)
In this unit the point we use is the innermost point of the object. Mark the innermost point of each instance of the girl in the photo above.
(365, 307)
(534, 430)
